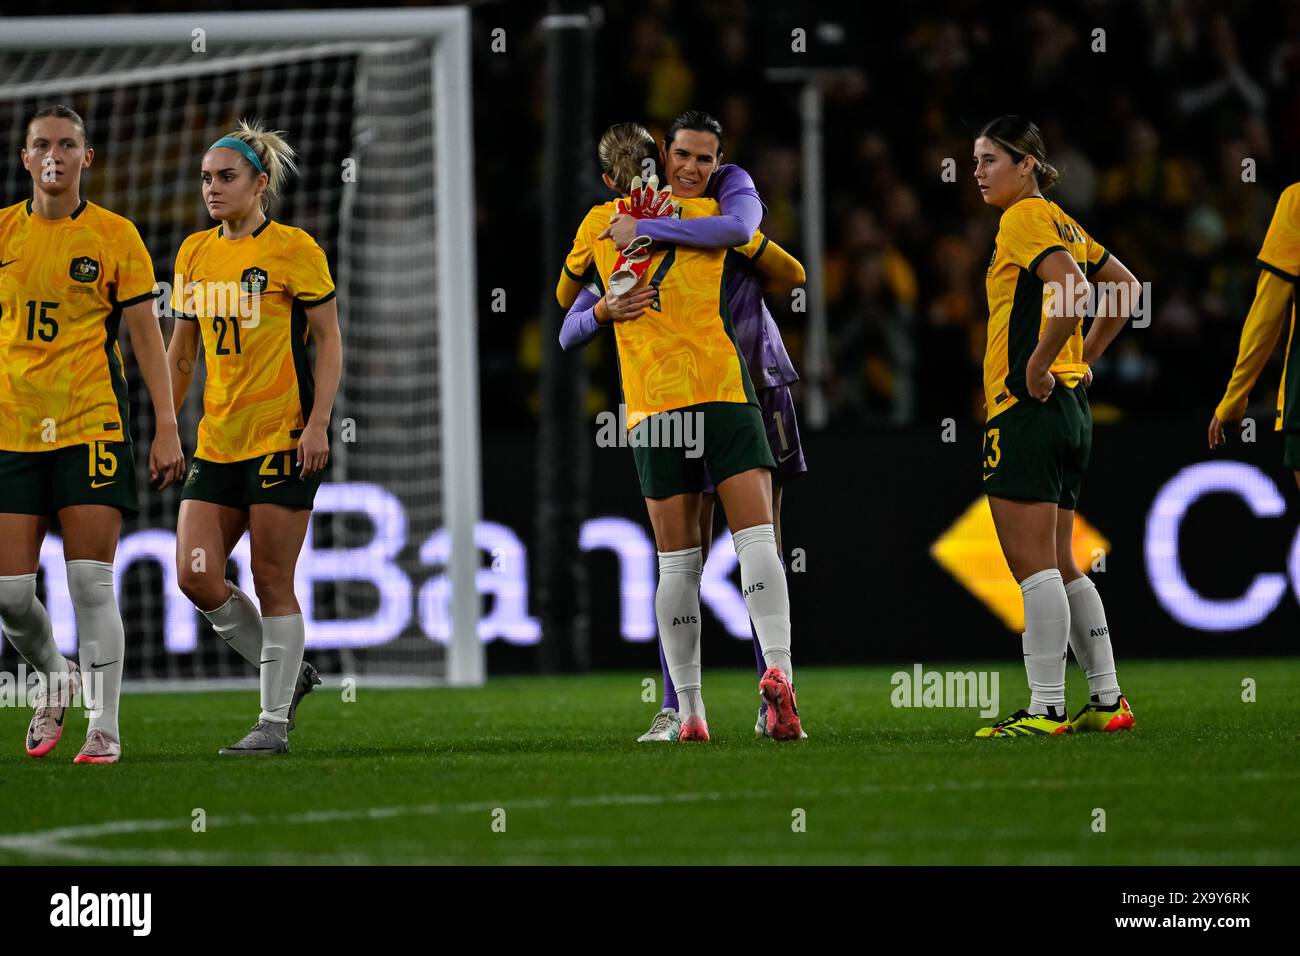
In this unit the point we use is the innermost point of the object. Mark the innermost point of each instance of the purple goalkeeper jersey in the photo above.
(757, 335)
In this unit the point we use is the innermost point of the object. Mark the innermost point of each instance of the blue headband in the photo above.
(239, 146)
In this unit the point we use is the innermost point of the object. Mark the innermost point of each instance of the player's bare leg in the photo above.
(206, 533)
(295, 524)
(708, 510)
(277, 535)
(23, 536)
(1027, 533)
(27, 628)
(676, 524)
(90, 536)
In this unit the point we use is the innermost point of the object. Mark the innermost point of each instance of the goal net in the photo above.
(377, 106)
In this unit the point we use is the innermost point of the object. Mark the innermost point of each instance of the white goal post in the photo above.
(443, 35)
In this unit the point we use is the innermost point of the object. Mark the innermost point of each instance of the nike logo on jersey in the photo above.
(9, 263)
(100, 484)
(787, 457)
(272, 484)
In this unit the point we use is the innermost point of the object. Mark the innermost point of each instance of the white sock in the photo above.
(28, 628)
(762, 583)
(1047, 635)
(1090, 638)
(101, 642)
(283, 639)
(677, 611)
(691, 701)
(239, 624)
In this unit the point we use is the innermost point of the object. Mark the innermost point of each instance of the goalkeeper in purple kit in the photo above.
(689, 159)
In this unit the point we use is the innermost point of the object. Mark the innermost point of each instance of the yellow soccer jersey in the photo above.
(682, 351)
(1029, 231)
(63, 286)
(1274, 306)
(1280, 255)
(250, 298)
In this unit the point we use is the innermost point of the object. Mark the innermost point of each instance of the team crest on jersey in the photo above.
(84, 269)
(253, 281)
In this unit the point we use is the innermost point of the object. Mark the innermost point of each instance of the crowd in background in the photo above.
(1174, 128)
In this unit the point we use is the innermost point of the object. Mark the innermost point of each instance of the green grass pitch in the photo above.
(431, 776)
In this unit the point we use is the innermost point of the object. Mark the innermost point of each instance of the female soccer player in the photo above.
(70, 271)
(740, 210)
(680, 367)
(256, 291)
(1039, 433)
(1279, 271)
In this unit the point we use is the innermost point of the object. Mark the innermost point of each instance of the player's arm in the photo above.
(182, 353)
(313, 445)
(1059, 269)
(1112, 311)
(781, 271)
(1258, 339)
(183, 349)
(577, 264)
(568, 289)
(582, 322)
(1279, 262)
(739, 215)
(590, 312)
(166, 460)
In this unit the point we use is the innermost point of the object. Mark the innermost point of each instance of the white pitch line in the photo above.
(68, 843)
(65, 842)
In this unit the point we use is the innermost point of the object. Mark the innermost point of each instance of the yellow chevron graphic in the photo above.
(970, 552)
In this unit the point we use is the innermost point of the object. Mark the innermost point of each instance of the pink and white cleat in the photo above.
(694, 728)
(782, 714)
(100, 747)
(46, 729)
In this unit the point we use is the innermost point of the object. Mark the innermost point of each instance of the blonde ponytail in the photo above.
(273, 152)
(627, 150)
